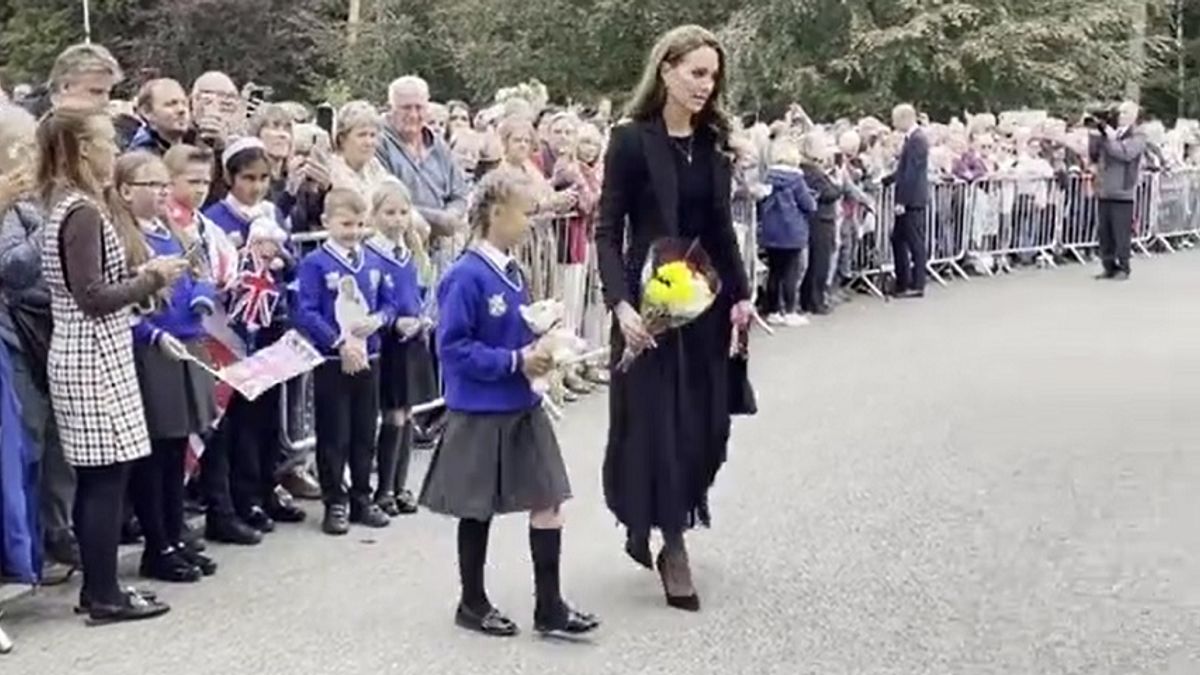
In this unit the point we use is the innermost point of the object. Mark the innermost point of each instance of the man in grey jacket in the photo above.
(1116, 156)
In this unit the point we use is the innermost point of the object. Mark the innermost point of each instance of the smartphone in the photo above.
(325, 118)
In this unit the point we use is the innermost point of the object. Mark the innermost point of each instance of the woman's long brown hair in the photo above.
(61, 167)
(651, 93)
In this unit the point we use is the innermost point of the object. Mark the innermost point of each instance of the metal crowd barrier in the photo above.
(1031, 220)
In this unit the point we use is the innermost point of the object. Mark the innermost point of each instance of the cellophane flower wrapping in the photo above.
(679, 283)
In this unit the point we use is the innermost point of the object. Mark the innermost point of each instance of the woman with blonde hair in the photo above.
(94, 283)
(668, 173)
(25, 327)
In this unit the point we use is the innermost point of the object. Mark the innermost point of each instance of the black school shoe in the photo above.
(259, 520)
(205, 564)
(368, 514)
(231, 530)
(564, 621)
(85, 603)
(492, 623)
(337, 520)
(170, 566)
(284, 511)
(133, 607)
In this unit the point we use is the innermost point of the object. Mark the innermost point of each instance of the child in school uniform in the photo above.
(177, 394)
(248, 173)
(498, 453)
(341, 305)
(405, 364)
(190, 169)
(258, 316)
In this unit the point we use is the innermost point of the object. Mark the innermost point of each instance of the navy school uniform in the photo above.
(177, 395)
(347, 406)
(238, 469)
(237, 227)
(406, 376)
(498, 453)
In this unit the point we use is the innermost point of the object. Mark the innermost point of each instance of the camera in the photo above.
(1101, 117)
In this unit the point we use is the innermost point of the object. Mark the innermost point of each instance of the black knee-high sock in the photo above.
(389, 447)
(472, 557)
(403, 455)
(546, 549)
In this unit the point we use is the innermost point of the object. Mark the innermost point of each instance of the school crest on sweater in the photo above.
(497, 306)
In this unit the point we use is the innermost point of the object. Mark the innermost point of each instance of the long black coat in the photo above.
(669, 413)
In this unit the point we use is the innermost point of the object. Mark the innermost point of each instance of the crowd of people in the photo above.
(190, 225)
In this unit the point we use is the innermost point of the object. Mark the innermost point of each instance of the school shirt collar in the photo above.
(154, 228)
(493, 255)
(342, 254)
(388, 248)
(499, 261)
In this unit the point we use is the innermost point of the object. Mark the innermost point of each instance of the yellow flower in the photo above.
(671, 286)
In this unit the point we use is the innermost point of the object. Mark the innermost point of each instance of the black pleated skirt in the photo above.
(406, 374)
(489, 464)
(177, 395)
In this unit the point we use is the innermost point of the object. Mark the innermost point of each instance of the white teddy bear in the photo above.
(544, 319)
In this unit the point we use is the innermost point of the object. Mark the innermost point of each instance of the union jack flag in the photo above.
(255, 294)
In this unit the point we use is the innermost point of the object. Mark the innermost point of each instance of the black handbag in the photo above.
(33, 327)
(742, 400)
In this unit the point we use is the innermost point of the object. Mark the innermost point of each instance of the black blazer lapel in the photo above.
(723, 183)
(661, 164)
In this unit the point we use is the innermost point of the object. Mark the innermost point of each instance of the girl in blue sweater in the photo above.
(405, 364)
(249, 176)
(498, 453)
(177, 393)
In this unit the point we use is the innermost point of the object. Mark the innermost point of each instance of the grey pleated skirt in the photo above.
(489, 464)
(177, 395)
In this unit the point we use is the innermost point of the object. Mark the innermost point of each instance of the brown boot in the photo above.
(676, 574)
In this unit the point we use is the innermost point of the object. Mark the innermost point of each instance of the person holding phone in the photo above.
(93, 381)
(177, 392)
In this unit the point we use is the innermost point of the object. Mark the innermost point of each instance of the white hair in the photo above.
(408, 83)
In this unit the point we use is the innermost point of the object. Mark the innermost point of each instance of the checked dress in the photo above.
(93, 382)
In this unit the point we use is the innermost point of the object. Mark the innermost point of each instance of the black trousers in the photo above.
(98, 513)
(239, 465)
(347, 408)
(157, 491)
(908, 249)
(784, 268)
(821, 238)
(1115, 230)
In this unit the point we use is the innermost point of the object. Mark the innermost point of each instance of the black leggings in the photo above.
(821, 239)
(784, 268)
(98, 513)
(157, 489)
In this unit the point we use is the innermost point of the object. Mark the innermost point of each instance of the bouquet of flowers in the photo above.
(679, 283)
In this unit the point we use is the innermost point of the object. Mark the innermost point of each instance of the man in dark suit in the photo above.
(912, 196)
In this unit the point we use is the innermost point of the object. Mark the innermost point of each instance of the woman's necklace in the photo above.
(685, 148)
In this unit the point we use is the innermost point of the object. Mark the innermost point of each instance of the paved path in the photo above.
(1004, 478)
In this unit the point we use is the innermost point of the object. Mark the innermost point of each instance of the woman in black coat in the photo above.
(668, 173)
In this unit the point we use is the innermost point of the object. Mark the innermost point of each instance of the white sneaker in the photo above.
(776, 320)
(795, 320)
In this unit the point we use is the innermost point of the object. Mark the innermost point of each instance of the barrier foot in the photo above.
(1048, 258)
(936, 277)
(959, 270)
(1166, 243)
(1077, 255)
(871, 287)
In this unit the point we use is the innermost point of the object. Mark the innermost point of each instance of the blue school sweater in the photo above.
(190, 299)
(318, 276)
(479, 337)
(401, 286)
(234, 225)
